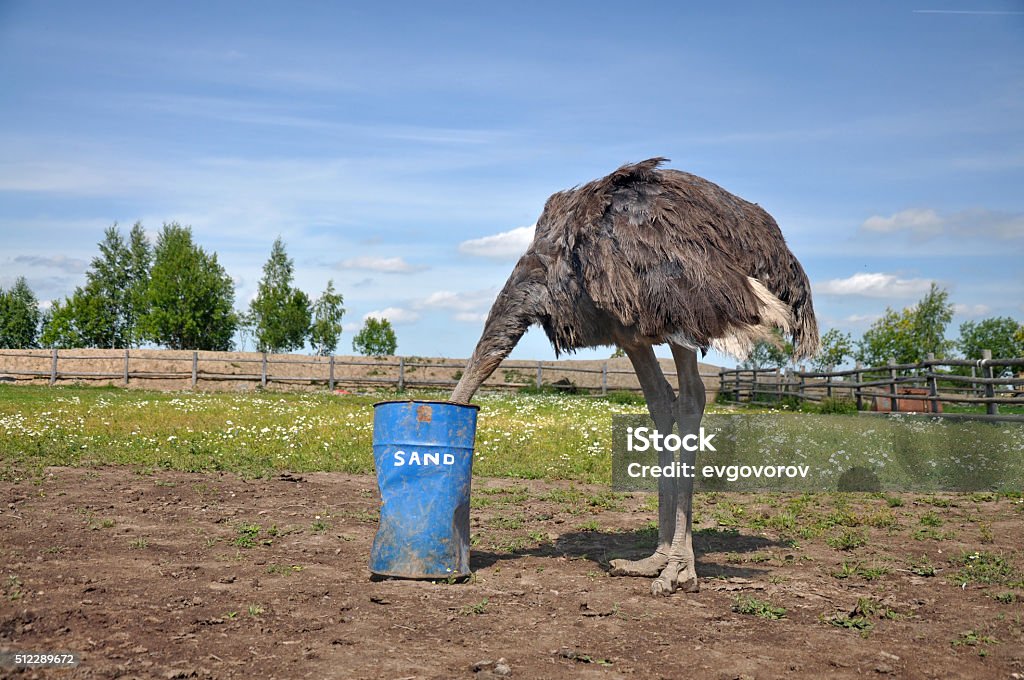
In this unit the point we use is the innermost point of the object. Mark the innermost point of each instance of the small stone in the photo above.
(501, 668)
(480, 666)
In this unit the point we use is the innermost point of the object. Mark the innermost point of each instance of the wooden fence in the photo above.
(169, 369)
(930, 384)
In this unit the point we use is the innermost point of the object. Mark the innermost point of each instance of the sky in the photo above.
(404, 150)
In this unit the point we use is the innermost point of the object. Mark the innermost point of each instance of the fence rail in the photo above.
(193, 369)
(888, 387)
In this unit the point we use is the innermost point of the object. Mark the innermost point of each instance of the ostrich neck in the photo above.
(514, 310)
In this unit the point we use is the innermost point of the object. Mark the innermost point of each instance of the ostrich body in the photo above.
(642, 257)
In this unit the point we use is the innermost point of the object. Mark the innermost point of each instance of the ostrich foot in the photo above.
(648, 567)
(675, 576)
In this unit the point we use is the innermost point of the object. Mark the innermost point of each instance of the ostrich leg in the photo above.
(681, 572)
(660, 399)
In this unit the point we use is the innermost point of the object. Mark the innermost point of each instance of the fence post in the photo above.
(263, 371)
(195, 369)
(933, 383)
(126, 366)
(895, 405)
(753, 386)
(778, 384)
(330, 381)
(857, 391)
(802, 389)
(540, 375)
(604, 378)
(53, 367)
(401, 373)
(828, 382)
(990, 389)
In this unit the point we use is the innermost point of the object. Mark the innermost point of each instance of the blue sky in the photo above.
(401, 148)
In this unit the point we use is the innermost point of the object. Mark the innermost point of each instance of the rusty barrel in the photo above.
(423, 452)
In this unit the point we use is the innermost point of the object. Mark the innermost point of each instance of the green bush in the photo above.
(835, 406)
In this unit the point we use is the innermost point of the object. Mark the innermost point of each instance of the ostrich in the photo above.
(642, 257)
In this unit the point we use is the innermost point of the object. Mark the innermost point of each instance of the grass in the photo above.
(762, 608)
(986, 568)
(922, 566)
(849, 539)
(972, 638)
(863, 615)
(247, 536)
(868, 573)
(262, 433)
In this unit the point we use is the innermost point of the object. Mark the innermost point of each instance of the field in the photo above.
(222, 535)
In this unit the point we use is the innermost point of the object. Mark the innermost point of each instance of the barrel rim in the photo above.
(425, 401)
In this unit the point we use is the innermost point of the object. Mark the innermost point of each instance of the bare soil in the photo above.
(164, 576)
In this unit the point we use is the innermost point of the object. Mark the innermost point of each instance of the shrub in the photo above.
(831, 405)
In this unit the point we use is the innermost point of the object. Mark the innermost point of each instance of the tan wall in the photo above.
(240, 371)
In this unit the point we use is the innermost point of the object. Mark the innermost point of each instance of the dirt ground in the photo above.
(177, 575)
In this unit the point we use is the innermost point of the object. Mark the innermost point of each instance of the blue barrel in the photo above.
(423, 452)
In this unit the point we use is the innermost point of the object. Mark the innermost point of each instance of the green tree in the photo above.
(326, 329)
(82, 320)
(911, 334)
(105, 312)
(190, 298)
(773, 353)
(376, 338)
(280, 314)
(836, 347)
(19, 316)
(1001, 334)
(60, 326)
(138, 264)
(108, 281)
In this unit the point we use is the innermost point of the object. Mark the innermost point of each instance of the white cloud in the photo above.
(919, 221)
(395, 315)
(469, 301)
(387, 265)
(469, 306)
(71, 265)
(471, 317)
(923, 223)
(504, 246)
(972, 311)
(861, 318)
(874, 285)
